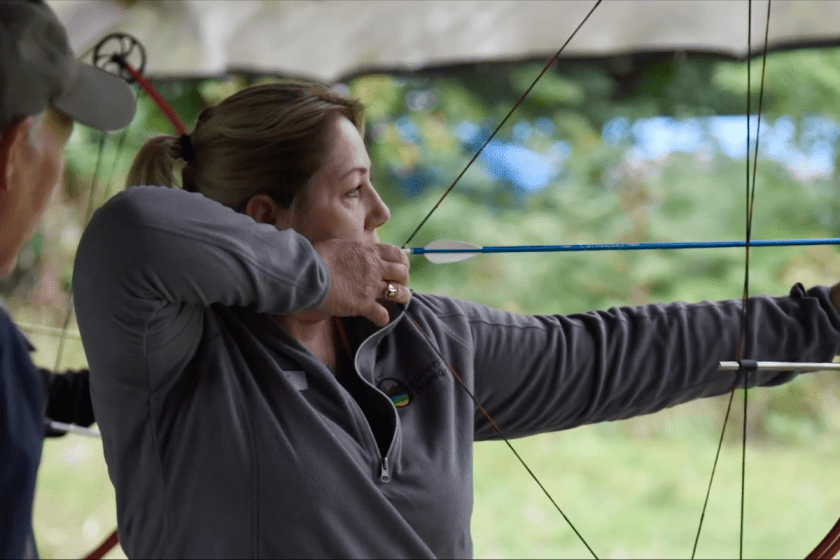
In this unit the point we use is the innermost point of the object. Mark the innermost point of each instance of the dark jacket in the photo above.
(28, 396)
(21, 435)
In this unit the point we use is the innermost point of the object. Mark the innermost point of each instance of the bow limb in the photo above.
(829, 546)
(107, 545)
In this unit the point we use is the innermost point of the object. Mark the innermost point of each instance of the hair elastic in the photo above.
(187, 149)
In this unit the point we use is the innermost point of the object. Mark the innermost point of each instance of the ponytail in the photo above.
(155, 163)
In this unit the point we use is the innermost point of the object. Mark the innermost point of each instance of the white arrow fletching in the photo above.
(444, 258)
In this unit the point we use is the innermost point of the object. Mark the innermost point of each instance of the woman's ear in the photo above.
(11, 149)
(265, 210)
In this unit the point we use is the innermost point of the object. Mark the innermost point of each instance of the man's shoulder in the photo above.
(21, 386)
(9, 333)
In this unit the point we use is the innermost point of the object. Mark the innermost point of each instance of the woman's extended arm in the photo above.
(542, 373)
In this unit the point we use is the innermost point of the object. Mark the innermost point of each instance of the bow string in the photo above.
(745, 367)
(831, 543)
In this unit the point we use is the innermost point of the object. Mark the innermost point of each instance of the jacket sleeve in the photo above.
(153, 258)
(543, 373)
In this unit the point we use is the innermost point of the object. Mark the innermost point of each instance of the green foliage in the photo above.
(597, 195)
(797, 82)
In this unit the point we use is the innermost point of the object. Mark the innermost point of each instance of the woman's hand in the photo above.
(360, 274)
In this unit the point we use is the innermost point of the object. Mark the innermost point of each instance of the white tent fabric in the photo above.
(332, 39)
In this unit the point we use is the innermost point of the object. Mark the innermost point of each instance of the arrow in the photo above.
(782, 366)
(74, 429)
(445, 251)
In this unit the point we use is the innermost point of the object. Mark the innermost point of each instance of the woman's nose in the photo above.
(379, 212)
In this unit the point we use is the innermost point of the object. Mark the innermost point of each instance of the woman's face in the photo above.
(340, 200)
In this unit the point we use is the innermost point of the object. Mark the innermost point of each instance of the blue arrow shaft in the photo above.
(631, 246)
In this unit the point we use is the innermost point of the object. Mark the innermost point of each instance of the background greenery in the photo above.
(633, 488)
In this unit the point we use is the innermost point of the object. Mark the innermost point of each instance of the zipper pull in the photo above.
(385, 475)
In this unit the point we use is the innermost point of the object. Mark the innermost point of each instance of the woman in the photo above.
(267, 385)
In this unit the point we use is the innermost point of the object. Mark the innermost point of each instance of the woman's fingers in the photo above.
(378, 315)
(396, 292)
(362, 273)
(393, 254)
(393, 272)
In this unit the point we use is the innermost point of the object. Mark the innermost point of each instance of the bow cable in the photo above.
(501, 435)
(743, 341)
(501, 124)
(478, 404)
(88, 211)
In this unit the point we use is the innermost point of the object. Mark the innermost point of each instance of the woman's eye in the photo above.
(355, 192)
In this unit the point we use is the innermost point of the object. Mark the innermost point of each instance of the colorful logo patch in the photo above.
(399, 394)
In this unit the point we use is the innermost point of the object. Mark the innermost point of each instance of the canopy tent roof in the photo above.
(332, 40)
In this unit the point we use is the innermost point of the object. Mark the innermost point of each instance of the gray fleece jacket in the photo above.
(224, 437)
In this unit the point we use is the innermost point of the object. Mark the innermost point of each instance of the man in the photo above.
(43, 90)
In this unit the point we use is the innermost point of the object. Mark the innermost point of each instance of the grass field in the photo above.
(641, 498)
(634, 490)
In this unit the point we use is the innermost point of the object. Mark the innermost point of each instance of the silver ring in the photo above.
(391, 291)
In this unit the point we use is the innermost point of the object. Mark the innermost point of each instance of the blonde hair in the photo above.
(266, 139)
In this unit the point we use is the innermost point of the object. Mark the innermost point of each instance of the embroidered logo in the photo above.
(396, 391)
(432, 372)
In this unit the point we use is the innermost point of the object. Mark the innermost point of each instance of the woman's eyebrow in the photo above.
(358, 169)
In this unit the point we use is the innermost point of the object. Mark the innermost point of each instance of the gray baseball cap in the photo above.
(37, 68)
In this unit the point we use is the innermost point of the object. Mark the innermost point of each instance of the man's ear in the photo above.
(11, 141)
(263, 209)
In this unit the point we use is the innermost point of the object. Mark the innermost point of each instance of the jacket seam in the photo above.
(152, 427)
